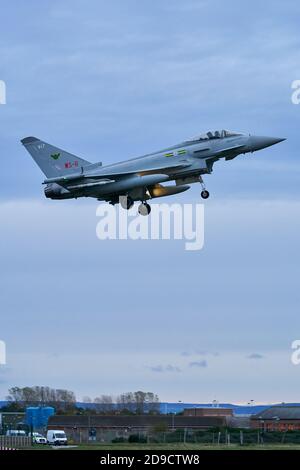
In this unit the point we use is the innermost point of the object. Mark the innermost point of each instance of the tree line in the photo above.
(21, 397)
(64, 401)
(131, 402)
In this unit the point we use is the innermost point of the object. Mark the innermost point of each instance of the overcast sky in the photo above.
(113, 80)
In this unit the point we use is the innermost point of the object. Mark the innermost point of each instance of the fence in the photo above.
(227, 437)
(14, 442)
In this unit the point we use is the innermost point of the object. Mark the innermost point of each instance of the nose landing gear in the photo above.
(204, 192)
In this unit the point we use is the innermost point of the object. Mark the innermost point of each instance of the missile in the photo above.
(63, 179)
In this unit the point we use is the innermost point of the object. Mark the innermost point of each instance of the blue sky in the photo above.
(109, 81)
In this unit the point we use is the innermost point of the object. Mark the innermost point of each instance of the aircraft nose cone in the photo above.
(272, 141)
(261, 142)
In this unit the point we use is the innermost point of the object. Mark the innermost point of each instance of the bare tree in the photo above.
(138, 402)
(61, 399)
(86, 399)
(104, 404)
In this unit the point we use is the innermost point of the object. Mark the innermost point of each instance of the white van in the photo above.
(57, 437)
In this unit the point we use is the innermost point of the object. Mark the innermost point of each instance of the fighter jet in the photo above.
(141, 178)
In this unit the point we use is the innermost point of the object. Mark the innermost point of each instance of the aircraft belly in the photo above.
(126, 184)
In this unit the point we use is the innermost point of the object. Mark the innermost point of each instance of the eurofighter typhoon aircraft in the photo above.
(141, 178)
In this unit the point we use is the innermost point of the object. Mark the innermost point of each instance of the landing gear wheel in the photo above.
(126, 202)
(130, 203)
(204, 194)
(144, 209)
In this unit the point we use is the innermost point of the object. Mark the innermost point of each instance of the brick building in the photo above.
(213, 411)
(277, 418)
(84, 428)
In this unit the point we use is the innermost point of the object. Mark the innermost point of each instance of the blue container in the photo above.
(37, 416)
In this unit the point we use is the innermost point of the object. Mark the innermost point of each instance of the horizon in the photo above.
(109, 81)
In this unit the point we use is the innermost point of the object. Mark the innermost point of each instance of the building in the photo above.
(213, 411)
(277, 418)
(227, 414)
(84, 428)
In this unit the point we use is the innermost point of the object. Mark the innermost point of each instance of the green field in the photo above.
(175, 446)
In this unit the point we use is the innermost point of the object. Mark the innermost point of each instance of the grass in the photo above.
(175, 446)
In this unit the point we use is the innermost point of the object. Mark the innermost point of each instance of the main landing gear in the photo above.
(144, 208)
(127, 202)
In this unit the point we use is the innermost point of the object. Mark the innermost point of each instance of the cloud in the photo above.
(207, 353)
(168, 368)
(255, 356)
(198, 352)
(200, 364)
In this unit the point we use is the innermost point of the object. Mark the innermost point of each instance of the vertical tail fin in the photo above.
(53, 161)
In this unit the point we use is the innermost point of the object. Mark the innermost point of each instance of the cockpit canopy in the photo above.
(214, 135)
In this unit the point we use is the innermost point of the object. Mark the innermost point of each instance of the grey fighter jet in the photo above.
(142, 178)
